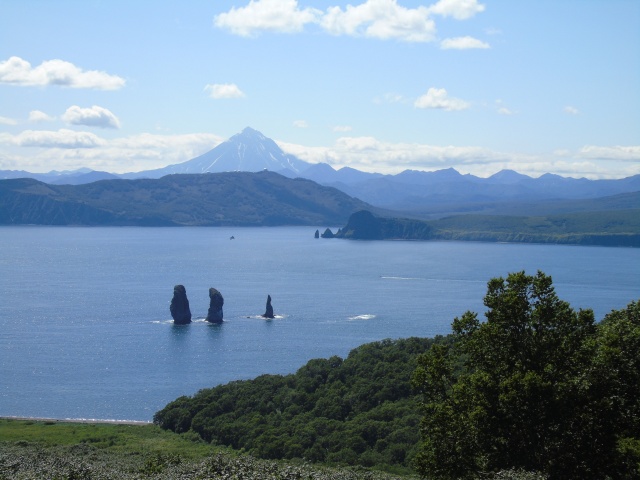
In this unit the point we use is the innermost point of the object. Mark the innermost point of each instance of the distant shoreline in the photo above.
(79, 420)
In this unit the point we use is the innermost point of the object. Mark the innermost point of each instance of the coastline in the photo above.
(79, 420)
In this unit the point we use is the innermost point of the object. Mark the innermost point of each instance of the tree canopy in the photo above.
(537, 386)
(354, 411)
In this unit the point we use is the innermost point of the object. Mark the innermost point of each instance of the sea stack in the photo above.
(327, 233)
(215, 306)
(269, 312)
(180, 306)
(317, 234)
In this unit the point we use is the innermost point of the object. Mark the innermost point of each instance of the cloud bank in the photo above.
(373, 155)
(69, 150)
(42, 151)
(380, 19)
(62, 138)
(17, 71)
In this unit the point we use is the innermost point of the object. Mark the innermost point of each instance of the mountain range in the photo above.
(220, 199)
(417, 194)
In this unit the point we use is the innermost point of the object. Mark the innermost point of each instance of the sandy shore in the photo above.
(79, 420)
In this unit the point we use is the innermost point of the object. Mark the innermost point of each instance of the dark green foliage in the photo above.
(537, 387)
(610, 228)
(233, 198)
(356, 411)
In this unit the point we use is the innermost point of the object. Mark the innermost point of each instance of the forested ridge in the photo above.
(216, 199)
(619, 228)
(356, 411)
(536, 387)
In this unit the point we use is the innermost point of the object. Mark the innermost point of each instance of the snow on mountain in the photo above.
(247, 151)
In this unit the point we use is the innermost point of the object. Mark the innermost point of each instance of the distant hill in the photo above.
(543, 206)
(66, 177)
(235, 198)
(446, 192)
(619, 228)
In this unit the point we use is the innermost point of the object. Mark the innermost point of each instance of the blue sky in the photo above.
(379, 85)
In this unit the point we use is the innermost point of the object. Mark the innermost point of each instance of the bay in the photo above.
(86, 333)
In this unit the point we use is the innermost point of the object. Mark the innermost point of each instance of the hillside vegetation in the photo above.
(535, 386)
(607, 228)
(45, 450)
(235, 198)
(356, 411)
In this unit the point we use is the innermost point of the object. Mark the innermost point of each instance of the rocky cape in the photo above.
(211, 199)
(619, 228)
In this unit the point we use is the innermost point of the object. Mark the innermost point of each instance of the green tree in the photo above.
(521, 390)
(616, 378)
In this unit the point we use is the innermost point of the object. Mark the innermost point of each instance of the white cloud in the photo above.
(266, 15)
(504, 111)
(458, 9)
(62, 138)
(342, 128)
(438, 98)
(7, 121)
(381, 19)
(224, 90)
(16, 71)
(620, 153)
(91, 117)
(300, 124)
(67, 150)
(36, 116)
(372, 155)
(571, 110)
(462, 43)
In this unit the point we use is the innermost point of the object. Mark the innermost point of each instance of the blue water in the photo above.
(85, 328)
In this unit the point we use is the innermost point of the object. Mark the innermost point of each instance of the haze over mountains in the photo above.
(418, 193)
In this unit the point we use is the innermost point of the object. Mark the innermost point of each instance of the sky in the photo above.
(544, 86)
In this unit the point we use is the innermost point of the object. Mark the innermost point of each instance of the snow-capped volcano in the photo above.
(247, 151)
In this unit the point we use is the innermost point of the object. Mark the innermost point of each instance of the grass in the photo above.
(33, 450)
(38, 450)
(140, 439)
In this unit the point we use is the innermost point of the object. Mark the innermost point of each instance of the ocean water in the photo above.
(85, 328)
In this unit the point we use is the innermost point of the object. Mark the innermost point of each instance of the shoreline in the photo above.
(79, 420)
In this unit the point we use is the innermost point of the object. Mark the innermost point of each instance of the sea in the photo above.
(86, 332)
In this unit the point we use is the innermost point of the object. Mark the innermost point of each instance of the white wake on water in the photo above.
(400, 278)
(367, 316)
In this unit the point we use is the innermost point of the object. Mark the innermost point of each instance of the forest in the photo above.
(535, 387)
(617, 228)
(356, 411)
